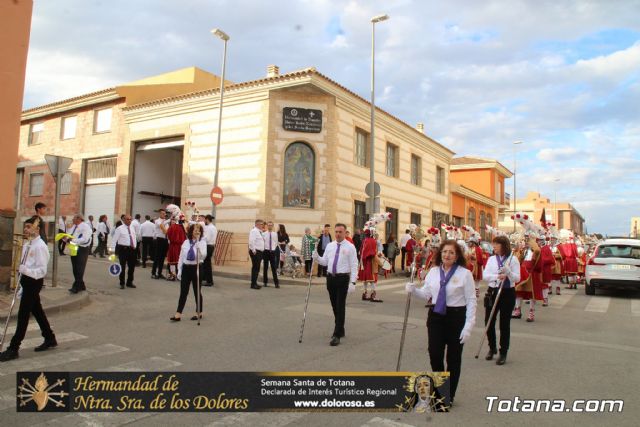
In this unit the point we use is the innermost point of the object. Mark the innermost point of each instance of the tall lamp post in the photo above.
(225, 38)
(373, 197)
(515, 198)
(555, 202)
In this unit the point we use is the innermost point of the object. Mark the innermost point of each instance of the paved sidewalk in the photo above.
(54, 300)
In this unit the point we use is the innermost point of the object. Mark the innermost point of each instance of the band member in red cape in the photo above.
(450, 321)
(410, 247)
(533, 264)
(503, 269)
(192, 253)
(569, 252)
(476, 259)
(368, 271)
(582, 259)
(548, 261)
(176, 236)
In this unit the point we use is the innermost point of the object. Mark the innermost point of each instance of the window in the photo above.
(359, 215)
(439, 180)
(65, 183)
(439, 218)
(363, 149)
(489, 220)
(299, 176)
(416, 170)
(483, 223)
(471, 218)
(35, 130)
(101, 171)
(69, 125)
(36, 184)
(416, 218)
(392, 160)
(391, 226)
(102, 120)
(498, 190)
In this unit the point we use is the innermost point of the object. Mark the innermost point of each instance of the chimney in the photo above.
(420, 127)
(273, 71)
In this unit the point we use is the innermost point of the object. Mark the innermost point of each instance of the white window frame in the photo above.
(97, 127)
(35, 128)
(65, 129)
(364, 159)
(416, 172)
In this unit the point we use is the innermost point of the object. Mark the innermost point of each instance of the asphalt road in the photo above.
(580, 347)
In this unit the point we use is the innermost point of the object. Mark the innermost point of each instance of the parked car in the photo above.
(615, 264)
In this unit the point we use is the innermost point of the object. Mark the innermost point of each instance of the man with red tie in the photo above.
(124, 244)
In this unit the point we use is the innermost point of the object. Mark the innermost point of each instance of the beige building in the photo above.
(563, 214)
(635, 227)
(294, 149)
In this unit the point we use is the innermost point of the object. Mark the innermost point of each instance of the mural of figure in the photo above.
(299, 175)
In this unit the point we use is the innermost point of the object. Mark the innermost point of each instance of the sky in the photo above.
(563, 77)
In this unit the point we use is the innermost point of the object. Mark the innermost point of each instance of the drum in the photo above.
(386, 265)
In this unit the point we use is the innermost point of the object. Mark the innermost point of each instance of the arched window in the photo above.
(471, 218)
(483, 229)
(489, 220)
(299, 176)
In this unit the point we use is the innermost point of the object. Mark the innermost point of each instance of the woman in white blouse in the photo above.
(502, 270)
(451, 288)
(192, 253)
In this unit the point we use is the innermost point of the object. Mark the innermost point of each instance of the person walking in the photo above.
(392, 248)
(161, 245)
(147, 231)
(450, 321)
(176, 235)
(308, 246)
(93, 231)
(33, 269)
(102, 231)
(210, 236)
(62, 228)
(124, 244)
(323, 241)
(81, 237)
(41, 210)
(283, 242)
(192, 253)
(135, 226)
(256, 249)
(341, 260)
(271, 255)
(403, 246)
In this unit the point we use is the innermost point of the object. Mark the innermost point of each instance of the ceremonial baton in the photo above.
(198, 296)
(406, 315)
(493, 311)
(306, 301)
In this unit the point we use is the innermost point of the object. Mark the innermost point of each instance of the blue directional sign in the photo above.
(115, 269)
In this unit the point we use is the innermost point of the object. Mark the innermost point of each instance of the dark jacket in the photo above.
(320, 248)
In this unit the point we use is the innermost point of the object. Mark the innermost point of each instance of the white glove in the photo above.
(179, 275)
(23, 269)
(410, 287)
(352, 288)
(464, 335)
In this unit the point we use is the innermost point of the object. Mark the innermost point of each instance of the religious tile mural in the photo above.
(299, 176)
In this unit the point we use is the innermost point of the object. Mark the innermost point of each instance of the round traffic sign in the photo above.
(115, 269)
(376, 187)
(216, 195)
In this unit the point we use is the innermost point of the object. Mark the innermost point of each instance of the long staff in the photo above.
(406, 314)
(13, 300)
(198, 295)
(493, 310)
(306, 301)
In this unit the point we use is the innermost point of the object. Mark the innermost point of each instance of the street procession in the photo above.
(189, 240)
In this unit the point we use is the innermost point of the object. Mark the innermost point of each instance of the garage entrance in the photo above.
(100, 189)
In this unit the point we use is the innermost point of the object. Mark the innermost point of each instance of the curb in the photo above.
(60, 307)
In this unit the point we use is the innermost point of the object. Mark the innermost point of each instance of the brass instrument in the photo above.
(18, 244)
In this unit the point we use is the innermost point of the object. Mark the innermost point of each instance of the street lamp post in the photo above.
(225, 38)
(373, 197)
(515, 198)
(555, 202)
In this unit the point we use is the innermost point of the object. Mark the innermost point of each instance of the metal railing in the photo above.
(223, 243)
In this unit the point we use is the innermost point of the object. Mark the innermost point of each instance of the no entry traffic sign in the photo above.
(216, 195)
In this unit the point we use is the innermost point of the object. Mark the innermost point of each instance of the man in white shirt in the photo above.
(256, 249)
(62, 228)
(135, 225)
(33, 268)
(271, 255)
(403, 245)
(210, 235)
(341, 260)
(147, 231)
(93, 230)
(161, 245)
(124, 244)
(102, 231)
(82, 238)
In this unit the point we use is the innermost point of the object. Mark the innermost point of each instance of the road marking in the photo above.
(61, 357)
(262, 419)
(153, 363)
(559, 301)
(635, 307)
(598, 304)
(356, 313)
(384, 422)
(563, 340)
(61, 338)
(33, 326)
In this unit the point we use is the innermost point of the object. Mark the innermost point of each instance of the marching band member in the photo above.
(450, 321)
(503, 269)
(476, 259)
(548, 262)
(192, 253)
(368, 272)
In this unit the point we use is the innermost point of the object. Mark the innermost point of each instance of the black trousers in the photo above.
(206, 270)
(189, 277)
(505, 307)
(91, 245)
(127, 258)
(159, 254)
(78, 265)
(322, 270)
(403, 251)
(273, 258)
(101, 249)
(256, 260)
(338, 286)
(61, 243)
(30, 304)
(444, 333)
(147, 249)
(307, 265)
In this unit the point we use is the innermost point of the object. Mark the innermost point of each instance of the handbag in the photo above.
(397, 251)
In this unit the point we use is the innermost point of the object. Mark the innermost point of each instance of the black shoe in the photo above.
(265, 285)
(73, 290)
(160, 276)
(121, 286)
(334, 341)
(131, 285)
(9, 354)
(47, 344)
(277, 285)
(490, 355)
(174, 319)
(502, 359)
(94, 255)
(255, 287)
(196, 317)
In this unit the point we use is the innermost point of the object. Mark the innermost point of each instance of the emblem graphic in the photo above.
(41, 392)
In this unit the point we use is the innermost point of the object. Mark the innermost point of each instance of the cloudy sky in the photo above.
(561, 76)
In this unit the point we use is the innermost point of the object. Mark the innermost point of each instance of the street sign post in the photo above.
(58, 165)
(376, 187)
